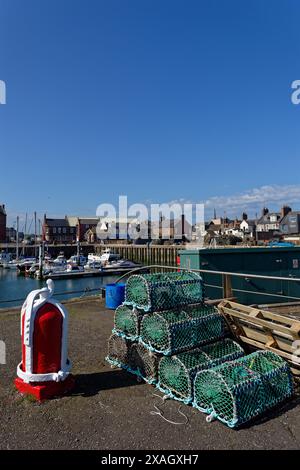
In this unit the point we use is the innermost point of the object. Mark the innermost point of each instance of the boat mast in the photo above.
(17, 240)
(25, 230)
(41, 259)
(35, 247)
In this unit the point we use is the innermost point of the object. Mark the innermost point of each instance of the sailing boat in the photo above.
(13, 263)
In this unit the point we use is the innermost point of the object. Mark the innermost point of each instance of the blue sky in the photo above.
(157, 99)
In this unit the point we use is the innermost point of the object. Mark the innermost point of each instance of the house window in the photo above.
(54, 229)
(59, 229)
(64, 230)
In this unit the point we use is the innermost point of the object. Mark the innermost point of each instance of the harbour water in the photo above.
(14, 288)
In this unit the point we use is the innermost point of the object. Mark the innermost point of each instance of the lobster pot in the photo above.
(172, 331)
(240, 390)
(133, 357)
(118, 351)
(163, 291)
(127, 321)
(176, 373)
(143, 362)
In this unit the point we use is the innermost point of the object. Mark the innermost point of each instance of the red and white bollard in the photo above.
(45, 368)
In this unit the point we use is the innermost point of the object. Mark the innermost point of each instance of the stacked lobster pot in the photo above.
(165, 334)
(124, 348)
(164, 315)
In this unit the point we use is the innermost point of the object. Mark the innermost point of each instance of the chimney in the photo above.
(265, 211)
(244, 216)
(182, 224)
(284, 211)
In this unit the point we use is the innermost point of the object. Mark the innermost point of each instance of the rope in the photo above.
(159, 412)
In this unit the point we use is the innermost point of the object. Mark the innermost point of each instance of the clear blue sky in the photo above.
(156, 99)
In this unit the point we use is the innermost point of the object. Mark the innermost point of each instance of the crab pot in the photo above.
(174, 331)
(163, 291)
(144, 362)
(240, 390)
(176, 373)
(133, 357)
(118, 350)
(127, 321)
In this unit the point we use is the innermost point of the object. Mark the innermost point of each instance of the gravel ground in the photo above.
(108, 408)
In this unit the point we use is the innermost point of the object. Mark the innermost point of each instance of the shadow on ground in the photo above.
(88, 385)
(274, 412)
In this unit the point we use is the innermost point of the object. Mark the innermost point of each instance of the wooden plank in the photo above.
(260, 336)
(270, 332)
(264, 323)
(227, 288)
(280, 321)
(265, 313)
(283, 354)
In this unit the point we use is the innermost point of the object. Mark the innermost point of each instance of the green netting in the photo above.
(163, 291)
(178, 330)
(127, 321)
(176, 373)
(240, 390)
(118, 350)
(143, 362)
(133, 357)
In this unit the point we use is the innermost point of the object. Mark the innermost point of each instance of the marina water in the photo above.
(14, 288)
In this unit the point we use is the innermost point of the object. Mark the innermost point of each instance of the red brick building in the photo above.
(2, 223)
(70, 229)
(58, 231)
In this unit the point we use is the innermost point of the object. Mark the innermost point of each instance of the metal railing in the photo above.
(84, 292)
(208, 271)
(226, 287)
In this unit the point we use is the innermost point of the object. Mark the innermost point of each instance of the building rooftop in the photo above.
(88, 220)
(265, 219)
(287, 216)
(57, 222)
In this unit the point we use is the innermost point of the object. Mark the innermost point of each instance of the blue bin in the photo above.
(114, 295)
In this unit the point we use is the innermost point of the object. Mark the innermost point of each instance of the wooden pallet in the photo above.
(264, 330)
